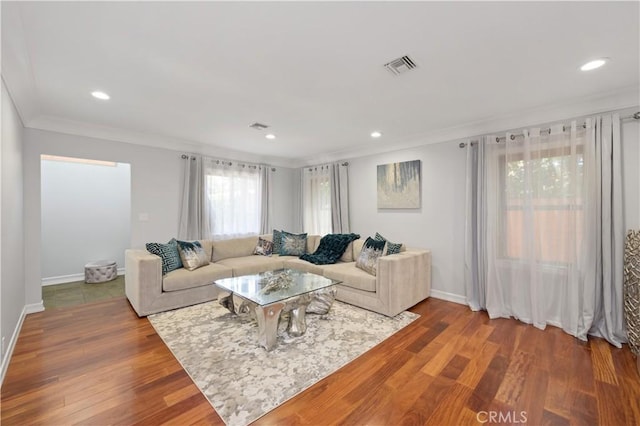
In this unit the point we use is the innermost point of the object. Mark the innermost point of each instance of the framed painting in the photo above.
(399, 185)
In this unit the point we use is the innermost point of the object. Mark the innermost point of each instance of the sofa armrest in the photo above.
(142, 278)
(404, 279)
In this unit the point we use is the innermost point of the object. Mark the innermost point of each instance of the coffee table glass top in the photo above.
(274, 286)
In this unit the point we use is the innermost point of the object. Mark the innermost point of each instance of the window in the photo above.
(542, 191)
(234, 197)
(316, 200)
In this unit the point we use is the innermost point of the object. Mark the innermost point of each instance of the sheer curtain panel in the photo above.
(235, 198)
(316, 196)
(544, 236)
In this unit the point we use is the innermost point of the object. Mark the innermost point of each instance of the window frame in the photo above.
(253, 177)
(517, 153)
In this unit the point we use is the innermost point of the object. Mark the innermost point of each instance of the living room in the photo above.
(34, 120)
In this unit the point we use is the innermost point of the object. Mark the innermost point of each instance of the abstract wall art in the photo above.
(399, 185)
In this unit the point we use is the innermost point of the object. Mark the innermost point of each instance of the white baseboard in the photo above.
(449, 297)
(28, 309)
(62, 279)
(32, 308)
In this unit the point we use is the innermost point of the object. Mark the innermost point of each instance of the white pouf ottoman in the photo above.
(100, 271)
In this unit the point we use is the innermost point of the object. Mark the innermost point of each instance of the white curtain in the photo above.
(316, 200)
(339, 179)
(603, 133)
(475, 226)
(544, 228)
(194, 208)
(234, 191)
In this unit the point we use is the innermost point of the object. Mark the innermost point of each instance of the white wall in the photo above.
(439, 224)
(12, 247)
(155, 190)
(155, 175)
(86, 216)
(283, 198)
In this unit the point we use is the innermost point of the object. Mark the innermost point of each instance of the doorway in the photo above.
(86, 216)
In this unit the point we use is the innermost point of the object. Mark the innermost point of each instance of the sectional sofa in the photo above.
(402, 279)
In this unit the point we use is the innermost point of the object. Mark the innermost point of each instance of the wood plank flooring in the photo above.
(99, 364)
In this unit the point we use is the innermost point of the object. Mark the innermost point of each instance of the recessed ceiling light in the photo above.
(270, 136)
(376, 134)
(100, 95)
(592, 65)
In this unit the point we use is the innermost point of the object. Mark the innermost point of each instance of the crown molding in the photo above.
(628, 97)
(72, 127)
(610, 101)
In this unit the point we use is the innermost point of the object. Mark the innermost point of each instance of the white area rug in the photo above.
(242, 380)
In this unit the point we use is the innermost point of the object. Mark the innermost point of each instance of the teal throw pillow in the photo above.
(168, 254)
(392, 248)
(277, 241)
(293, 244)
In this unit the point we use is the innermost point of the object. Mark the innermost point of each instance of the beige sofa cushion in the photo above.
(350, 276)
(302, 265)
(313, 241)
(237, 247)
(182, 278)
(254, 264)
(357, 247)
(207, 245)
(348, 253)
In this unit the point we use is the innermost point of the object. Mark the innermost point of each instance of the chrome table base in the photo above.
(268, 316)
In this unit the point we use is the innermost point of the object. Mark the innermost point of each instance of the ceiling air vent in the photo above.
(400, 65)
(258, 126)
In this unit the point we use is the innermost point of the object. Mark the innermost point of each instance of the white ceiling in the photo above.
(200, 73)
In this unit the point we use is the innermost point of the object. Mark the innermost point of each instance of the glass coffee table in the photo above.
(271, 293)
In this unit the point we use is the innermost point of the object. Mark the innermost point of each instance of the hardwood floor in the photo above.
(100, 364)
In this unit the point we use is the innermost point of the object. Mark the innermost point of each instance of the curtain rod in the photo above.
(513, 136)
(322, 166)
(229, 163)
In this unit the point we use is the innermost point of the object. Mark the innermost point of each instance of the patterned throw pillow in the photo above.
(192, 254)
(293, 244)
(264, 247)
(277, 241)
(168, 253)
(392, 248)
(371, 251)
